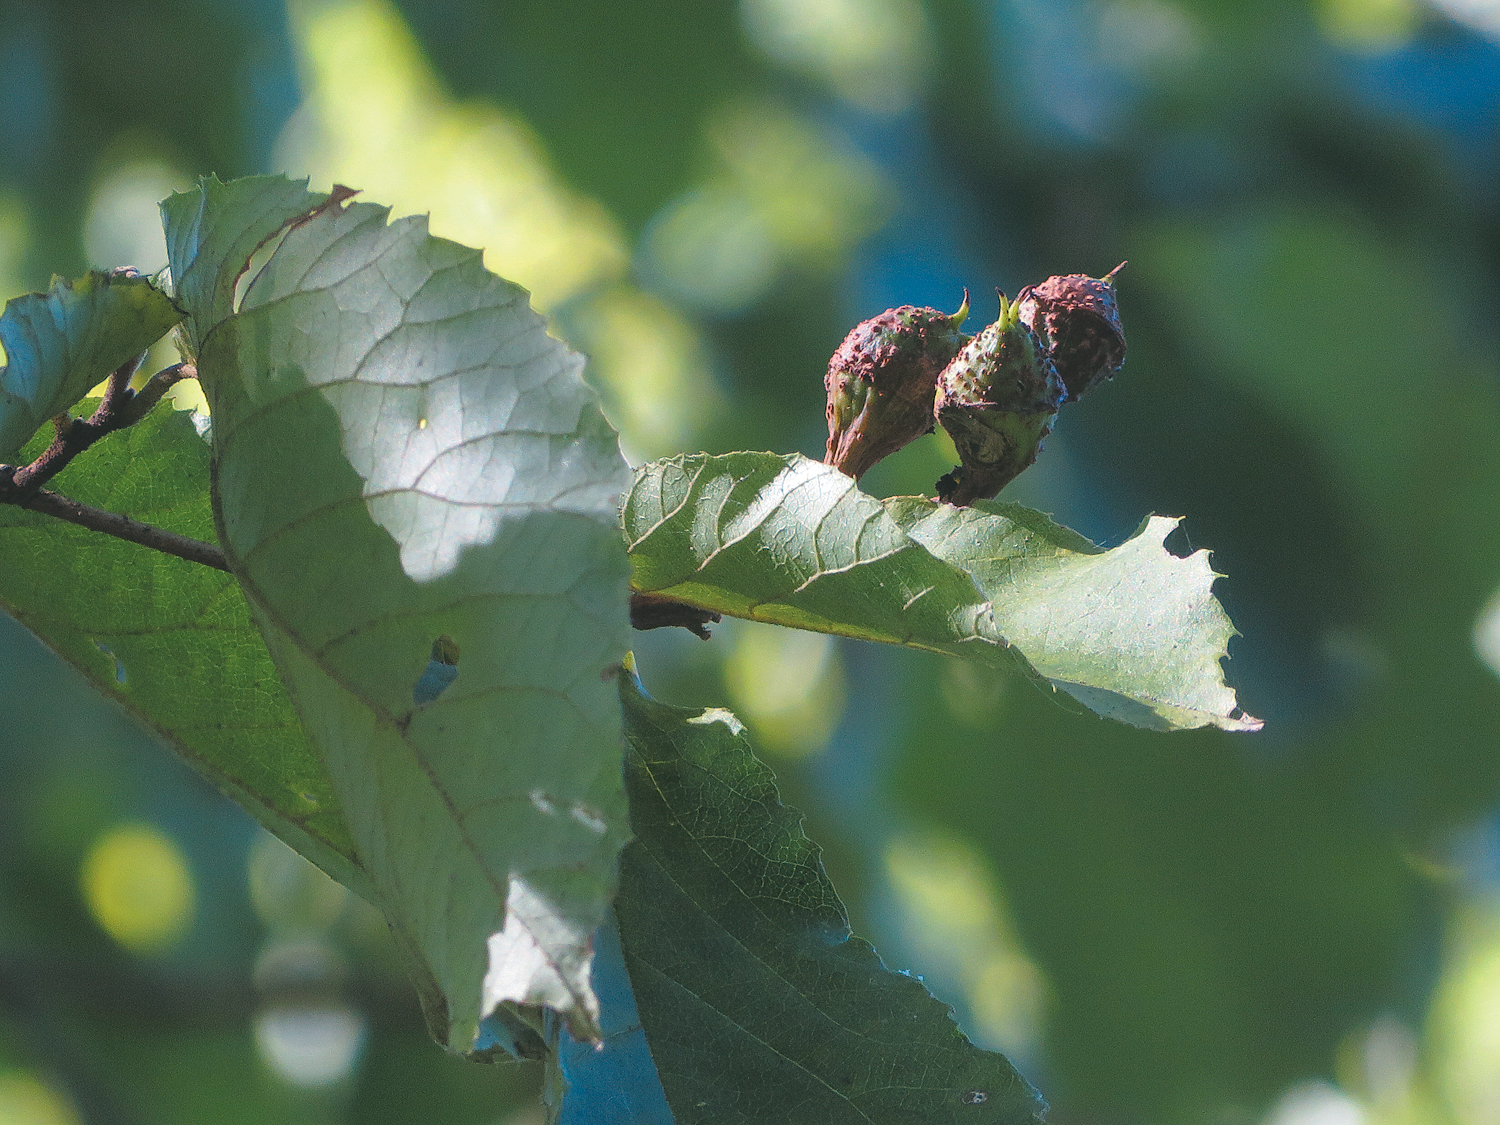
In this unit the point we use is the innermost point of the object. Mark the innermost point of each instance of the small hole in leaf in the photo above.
(421, 423)
(974, 1097)
(441, 671)
(119, 666)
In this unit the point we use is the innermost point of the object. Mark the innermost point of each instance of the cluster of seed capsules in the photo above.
(996, 393)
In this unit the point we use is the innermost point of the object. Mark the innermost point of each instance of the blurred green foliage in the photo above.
(1158, 928)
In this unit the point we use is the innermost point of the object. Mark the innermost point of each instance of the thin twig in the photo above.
(132, 531)
(140, 403)
(73, 436)
(116, 391)
(119, 408)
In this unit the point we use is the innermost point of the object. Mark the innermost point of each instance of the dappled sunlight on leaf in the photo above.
(1134, 633)
(408, 467)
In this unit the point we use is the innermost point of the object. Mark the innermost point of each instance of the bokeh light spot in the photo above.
(288, 893)
(711, 248)
(123, 227)
(24, 1100)
(1482, 15)
(785, 192)
(1316, 1103)
(954, 921)
(651, 364)
(309, 1046)
(137, 886)
(377, 118)
(1369, 25)
(1465, 1019)
(1487, 634)
(789, 684)
(874, 53)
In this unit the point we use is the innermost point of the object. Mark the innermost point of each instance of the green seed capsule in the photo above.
(997, 400)
(1079, 318)
(882, 380)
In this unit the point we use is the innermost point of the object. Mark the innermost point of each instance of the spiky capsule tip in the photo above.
(997, 400)
(1078, 317)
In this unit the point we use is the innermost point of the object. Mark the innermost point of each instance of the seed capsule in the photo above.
(882, 380)
(1079, 319)
(997, 400)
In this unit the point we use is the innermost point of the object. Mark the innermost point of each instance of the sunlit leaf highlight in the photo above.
(1134, 632)
(401, 455)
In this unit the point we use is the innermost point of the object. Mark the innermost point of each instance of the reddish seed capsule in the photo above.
(882, 380)
(1079, 319)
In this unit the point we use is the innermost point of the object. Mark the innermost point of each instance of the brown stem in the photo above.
(117, 390)
(73, 436)
(139, 404)
(647, 611)
(132, 531)
(117, 409)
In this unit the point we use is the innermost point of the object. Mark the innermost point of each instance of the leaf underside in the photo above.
(757, 1002)
(1134, 633)
(60, 343)
(400, 454)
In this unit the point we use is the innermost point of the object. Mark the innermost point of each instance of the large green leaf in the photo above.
(169, 639)
(60, 343)
(1134, 632)
(757, 1002)
(402, 454)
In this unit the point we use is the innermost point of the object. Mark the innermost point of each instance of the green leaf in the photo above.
(60, 343)
(213, 232)
(402, 454)
(758, 1003)
(1133, 633)
(171, 640)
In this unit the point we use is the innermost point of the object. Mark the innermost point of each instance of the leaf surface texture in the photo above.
(1134, 632)
(402, 454)
(757, 1001)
